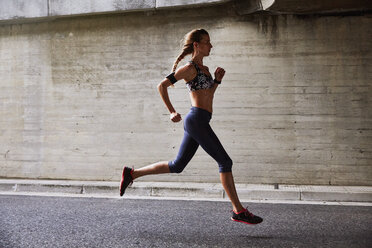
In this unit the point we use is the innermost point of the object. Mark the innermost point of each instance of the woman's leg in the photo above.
(156, 168)
(186, 152)
(228, 184)
(209, 141)
(240, 214)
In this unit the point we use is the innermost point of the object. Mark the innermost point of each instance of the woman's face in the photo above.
(204, 46)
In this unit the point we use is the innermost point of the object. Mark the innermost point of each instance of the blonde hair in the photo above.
(188, 46)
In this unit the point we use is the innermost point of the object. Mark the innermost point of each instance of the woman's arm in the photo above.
(214, 87)
(163, 90)
(181, 73)
(218, 75)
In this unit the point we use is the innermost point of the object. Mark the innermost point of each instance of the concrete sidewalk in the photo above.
(211, 191)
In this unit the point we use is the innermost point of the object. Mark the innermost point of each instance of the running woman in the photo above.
(197, 130)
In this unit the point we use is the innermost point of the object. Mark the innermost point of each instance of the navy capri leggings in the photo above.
(199, 132)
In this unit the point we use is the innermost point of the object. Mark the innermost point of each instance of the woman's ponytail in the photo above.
(186, 51)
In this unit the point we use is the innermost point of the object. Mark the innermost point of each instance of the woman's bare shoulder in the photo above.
(186, 72)
(187, 68)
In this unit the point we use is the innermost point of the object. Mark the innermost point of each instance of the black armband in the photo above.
(216, 81)
(172, 78)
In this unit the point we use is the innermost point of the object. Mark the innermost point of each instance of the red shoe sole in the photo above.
(245, 222)
(122, 182)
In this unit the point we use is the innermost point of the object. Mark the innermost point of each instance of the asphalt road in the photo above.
(34, 221)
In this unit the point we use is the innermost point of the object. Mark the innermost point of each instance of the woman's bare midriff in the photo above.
(202, 99)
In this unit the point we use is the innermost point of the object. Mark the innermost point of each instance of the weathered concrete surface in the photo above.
(248, 7)
(81, 7)
(25, 11)
(184, 3)
(10, 9)
(79, 99)
(20, 11)
(189, 190)
(319, 6)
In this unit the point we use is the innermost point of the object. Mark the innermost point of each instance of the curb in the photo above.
(215, 191)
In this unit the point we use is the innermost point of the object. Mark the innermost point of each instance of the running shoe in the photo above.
(246, 217)
(126, 179)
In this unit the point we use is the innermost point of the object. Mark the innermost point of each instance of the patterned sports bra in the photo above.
(201, 81)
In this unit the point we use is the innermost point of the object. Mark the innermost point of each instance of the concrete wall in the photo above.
(78, 96)
(22, 11)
